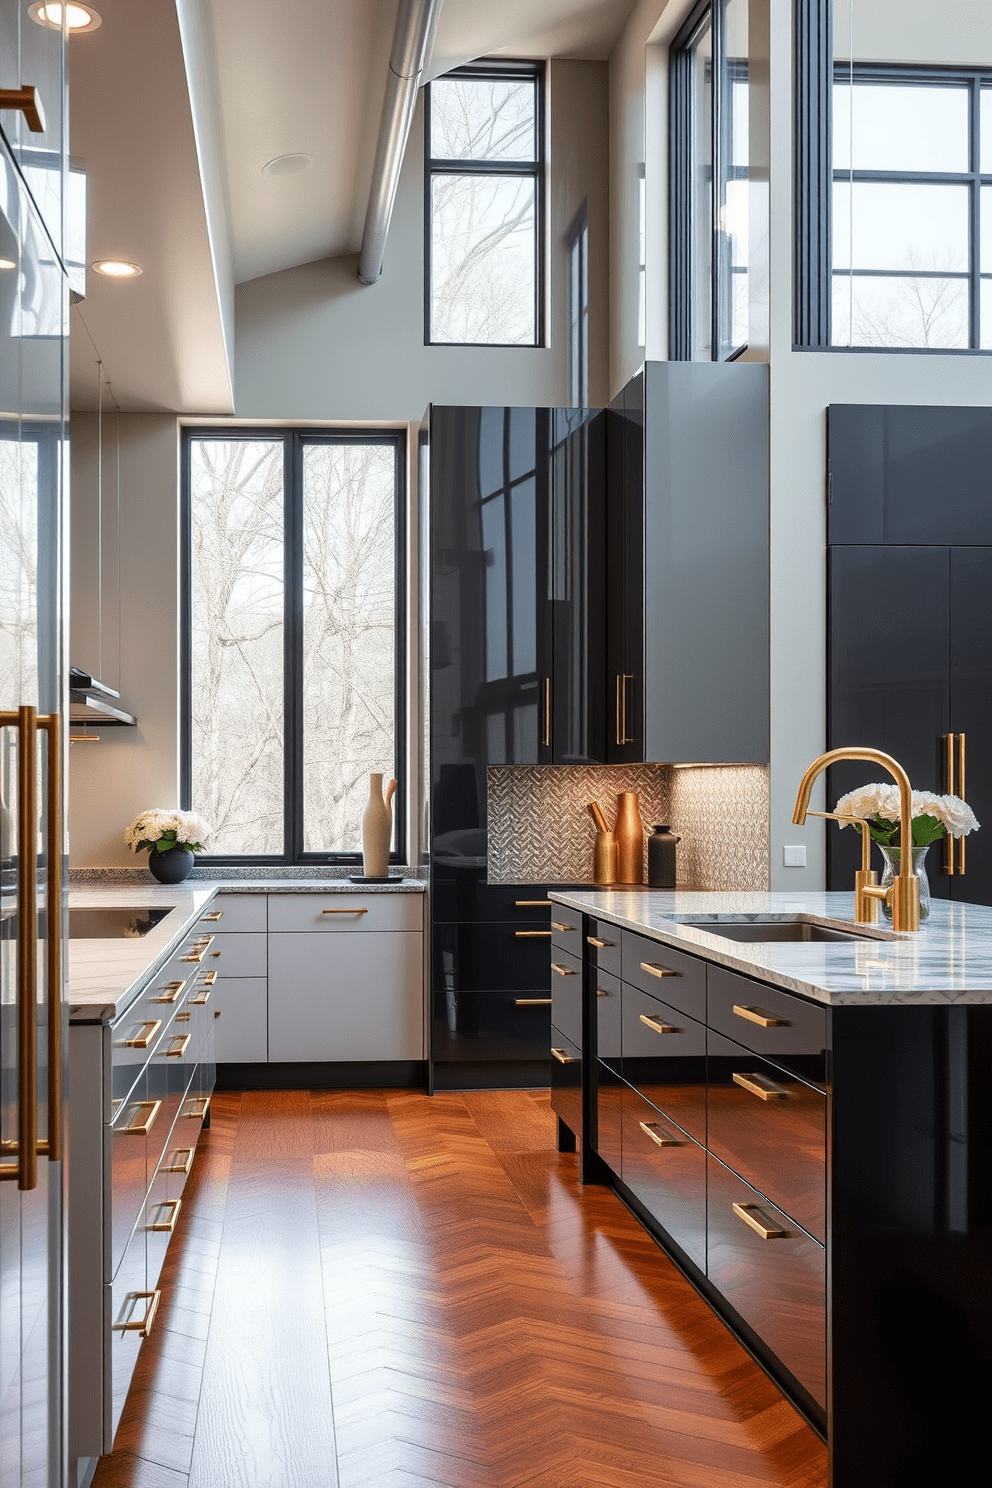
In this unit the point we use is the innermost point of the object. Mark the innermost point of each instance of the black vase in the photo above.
(661, 858)
(170, 867)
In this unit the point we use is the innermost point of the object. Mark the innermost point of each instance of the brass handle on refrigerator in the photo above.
(625, 677)
(546, 737)
(26, 101)
(949, 866)
(25, 1167)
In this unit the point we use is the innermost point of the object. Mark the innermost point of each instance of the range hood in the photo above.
(90, 701)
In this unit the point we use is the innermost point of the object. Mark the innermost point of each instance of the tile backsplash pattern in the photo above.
(540, 830)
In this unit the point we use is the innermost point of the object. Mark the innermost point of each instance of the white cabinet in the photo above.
(240, 955)
(342, 913)
(242, 1034)
(347, 997)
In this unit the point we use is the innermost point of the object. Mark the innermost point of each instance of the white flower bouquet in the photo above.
(161, 831)
(934, 816)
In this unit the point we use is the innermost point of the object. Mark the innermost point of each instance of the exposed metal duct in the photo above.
(413, 40)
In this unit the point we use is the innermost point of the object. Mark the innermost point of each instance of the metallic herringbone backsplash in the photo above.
(540, 830)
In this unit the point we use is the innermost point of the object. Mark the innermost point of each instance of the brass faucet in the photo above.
(865, 905)
(903, 894)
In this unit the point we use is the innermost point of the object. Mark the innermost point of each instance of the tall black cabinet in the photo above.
(909, 616)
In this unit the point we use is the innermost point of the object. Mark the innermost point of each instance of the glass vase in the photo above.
(891, 856)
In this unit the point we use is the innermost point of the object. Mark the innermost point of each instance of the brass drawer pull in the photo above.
(658, 1135)
(184, 1017)
(166, 1226)
(558, 925)
(203, 998)
(179, 1046)
(601, 992)
(532, 903)
(142, 1128)
(215, 915)
(215, 954)
(182, 1161)
(563, 970)
(170, 992)
(143, 1325)
(217, 1012)
(207, 979)
(765, 1090)
(563, 1056)
(532, 1002)
(363, 909)
(759, 1016)
(759, 1222)
(196, 954)
(656, 1025)
(653, 969)
(203, 1101)
(144, 1035)
(532, 934)
(600, 945)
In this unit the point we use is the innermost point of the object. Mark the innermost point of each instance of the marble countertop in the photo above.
(948, 961)
(105, 975)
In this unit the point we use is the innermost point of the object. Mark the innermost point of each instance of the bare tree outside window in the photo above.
(484, 195)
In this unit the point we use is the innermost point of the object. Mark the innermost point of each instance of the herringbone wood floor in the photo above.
(374, 1288)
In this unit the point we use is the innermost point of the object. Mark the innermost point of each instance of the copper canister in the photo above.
(630, 839)
(604, 858)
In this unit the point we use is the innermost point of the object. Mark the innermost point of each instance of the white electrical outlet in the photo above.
(794, 857)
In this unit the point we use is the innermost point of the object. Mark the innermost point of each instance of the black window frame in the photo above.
(577, 248)
(682, 287)
(293, 441)
(498, 71)
(815, 73)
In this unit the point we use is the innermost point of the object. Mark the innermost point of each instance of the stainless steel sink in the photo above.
(793, 931)
(115, 924)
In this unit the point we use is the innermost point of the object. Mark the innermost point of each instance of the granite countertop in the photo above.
(948, 961)
(105, 975)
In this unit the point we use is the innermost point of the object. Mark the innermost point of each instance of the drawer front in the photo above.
(778, 1285)
(126, 1311)
(242, 1034)
(566, 995)
(168, 1075)
(785, 1029)
(771, 1129)
(566, 1080)
(566, 931)
(658, 970)
(158, 1221)
(607, 990)
(336, 913)
(134, 1125)
(609, 1121)
(238, 913)
(603, 947)
(241, 955)
(666, 1170)
(472, 958)
(491, 1026)
(664, 1057)
(463, 895)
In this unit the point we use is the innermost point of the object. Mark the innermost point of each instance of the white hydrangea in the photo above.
(883, 800)
(153, 824)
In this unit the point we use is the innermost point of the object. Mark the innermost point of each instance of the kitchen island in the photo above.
(806, 1126)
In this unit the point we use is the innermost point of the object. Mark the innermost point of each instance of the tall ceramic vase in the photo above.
(629, 833)
(377, 828)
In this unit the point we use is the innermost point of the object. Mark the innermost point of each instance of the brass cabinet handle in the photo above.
(625, 677)
(563, 970)
(25, 1167)
(765, 1090)
(170, 992)
(179, 1046)
(184, 1017)
(532, 934)
(756, 1220)
(182, 1161)
(145, 1035)
(955, 788)
(215, 954)
(532, 1002)
(217, 1012)
(142, 1128)
(26, 101)
(143, 1325)
(600, 992)
(215, 915)
(166, 1226)
(207, 979)
(563, 1056)
(619, 690)
(961, 792)
(601, 945)
(759, 1016)
(362, 909)
(52, 724)
(532, 903)
(656, 1025)
(197, 953)
(203, 1101)
(546, 738)
(658, 1134)
(203, 998)
(560, 925)
(653, 969)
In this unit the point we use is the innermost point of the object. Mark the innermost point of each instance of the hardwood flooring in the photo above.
(373, 1289)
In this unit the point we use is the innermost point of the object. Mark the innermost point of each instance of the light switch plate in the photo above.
(794, 857)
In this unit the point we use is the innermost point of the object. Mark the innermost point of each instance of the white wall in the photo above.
(314, 343)
(130, 768)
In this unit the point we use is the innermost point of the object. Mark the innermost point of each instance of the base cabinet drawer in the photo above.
(609, 1122)
(771, 1272)
(785, 1029)
(664, 1058)
(129, 1315)
(566, 1080)
(603, 947)
(566, 931)
(346, 997)
(491, 1026)
(666, 1170)
(242, 1033)
(607, 989)
(330, 913)
(472, 958)
(237, 913)
(240, 955)
(566, 995)
(663, 972)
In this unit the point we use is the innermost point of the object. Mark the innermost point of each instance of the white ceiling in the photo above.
(177, 105)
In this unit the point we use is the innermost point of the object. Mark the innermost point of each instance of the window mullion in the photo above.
(293, 617)
(975, 210)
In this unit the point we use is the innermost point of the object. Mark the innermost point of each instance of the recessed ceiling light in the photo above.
(8, 263)
(116, 268)
(287, 165)
(77, 17)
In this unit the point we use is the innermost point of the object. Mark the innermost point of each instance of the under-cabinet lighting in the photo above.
(77, 17)
(116, 268)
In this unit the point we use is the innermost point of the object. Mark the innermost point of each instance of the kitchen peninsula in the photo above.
(800, 1110)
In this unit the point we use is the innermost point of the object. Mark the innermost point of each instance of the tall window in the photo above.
(709, 183)
(578, 308)
(292, 637)
(484, 139)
